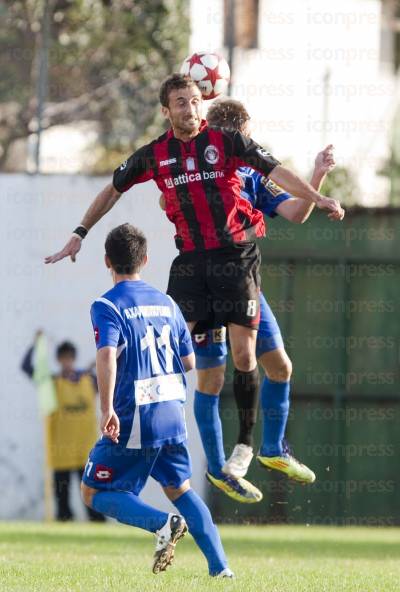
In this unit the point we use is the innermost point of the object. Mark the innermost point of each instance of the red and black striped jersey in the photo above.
(201, 188)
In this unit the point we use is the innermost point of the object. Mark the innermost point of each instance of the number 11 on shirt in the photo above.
(149, 341)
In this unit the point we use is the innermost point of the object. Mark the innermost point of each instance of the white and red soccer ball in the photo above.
(210, 71)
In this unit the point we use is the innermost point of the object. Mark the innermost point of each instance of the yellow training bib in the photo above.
(71, 430)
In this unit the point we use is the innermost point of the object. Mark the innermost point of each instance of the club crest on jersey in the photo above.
(123, 165)
(103, 473)
(211, 154)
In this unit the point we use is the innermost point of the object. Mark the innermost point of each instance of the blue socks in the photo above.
(202, 529)
(128, 508)
(275, 411)
(206, 411)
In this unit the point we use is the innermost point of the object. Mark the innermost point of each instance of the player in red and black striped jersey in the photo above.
(201, 188)
(215, 277)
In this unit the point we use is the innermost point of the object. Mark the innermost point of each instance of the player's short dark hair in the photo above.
(126, 248)
(66, 348)
(174, 82)
(228, 113)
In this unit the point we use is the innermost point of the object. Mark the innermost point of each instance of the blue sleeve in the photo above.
(185, 339)
(268, 196)
(27, 362)
(106, 325)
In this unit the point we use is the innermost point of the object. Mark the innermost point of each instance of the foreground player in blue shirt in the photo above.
(143, 350)
(210, 348)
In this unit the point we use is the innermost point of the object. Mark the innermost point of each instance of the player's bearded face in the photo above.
(185, 109)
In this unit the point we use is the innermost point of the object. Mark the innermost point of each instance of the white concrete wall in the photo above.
(281, 82)
(38, 215)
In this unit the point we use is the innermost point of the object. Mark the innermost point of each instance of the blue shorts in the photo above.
(211, 348)
(111, 466)
(269, 335)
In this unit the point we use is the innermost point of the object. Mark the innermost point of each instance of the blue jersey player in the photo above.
(143, 350)
(210, 348)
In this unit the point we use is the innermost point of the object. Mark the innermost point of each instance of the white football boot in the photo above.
(173, 530)
(239, 461)
(225, 573)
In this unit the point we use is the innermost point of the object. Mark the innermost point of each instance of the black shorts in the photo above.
(219, 286)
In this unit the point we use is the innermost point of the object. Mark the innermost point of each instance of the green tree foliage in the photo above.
(106, 61)
(391, 167)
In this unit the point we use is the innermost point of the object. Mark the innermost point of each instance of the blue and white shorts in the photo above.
(114, 467)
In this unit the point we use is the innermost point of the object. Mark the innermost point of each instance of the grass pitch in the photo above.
(91, 557)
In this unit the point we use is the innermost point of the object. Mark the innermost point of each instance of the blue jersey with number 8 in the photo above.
(150, 334)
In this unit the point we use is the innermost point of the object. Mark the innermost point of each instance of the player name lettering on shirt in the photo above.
(170, 182)
(147, 311)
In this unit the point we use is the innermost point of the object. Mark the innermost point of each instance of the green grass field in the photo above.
(91, 557)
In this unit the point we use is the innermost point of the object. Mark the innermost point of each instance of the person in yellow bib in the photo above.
(71, 429)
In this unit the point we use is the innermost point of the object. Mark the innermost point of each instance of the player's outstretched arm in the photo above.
(100, 206)
(106, 367)
(262, 161)
(296, 186)
(298, 210)
(27, 360)
(324, 163)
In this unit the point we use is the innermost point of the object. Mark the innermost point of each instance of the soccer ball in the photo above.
(210, 71)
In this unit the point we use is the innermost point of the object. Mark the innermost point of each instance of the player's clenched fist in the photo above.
(336, 212)
(109, 425)
(325, 161)
(70, 250)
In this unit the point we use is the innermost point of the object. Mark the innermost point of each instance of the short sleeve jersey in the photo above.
(261, 192)
(150, 335)
(200, 184)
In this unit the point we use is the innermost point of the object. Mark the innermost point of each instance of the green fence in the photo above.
(334, 288)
